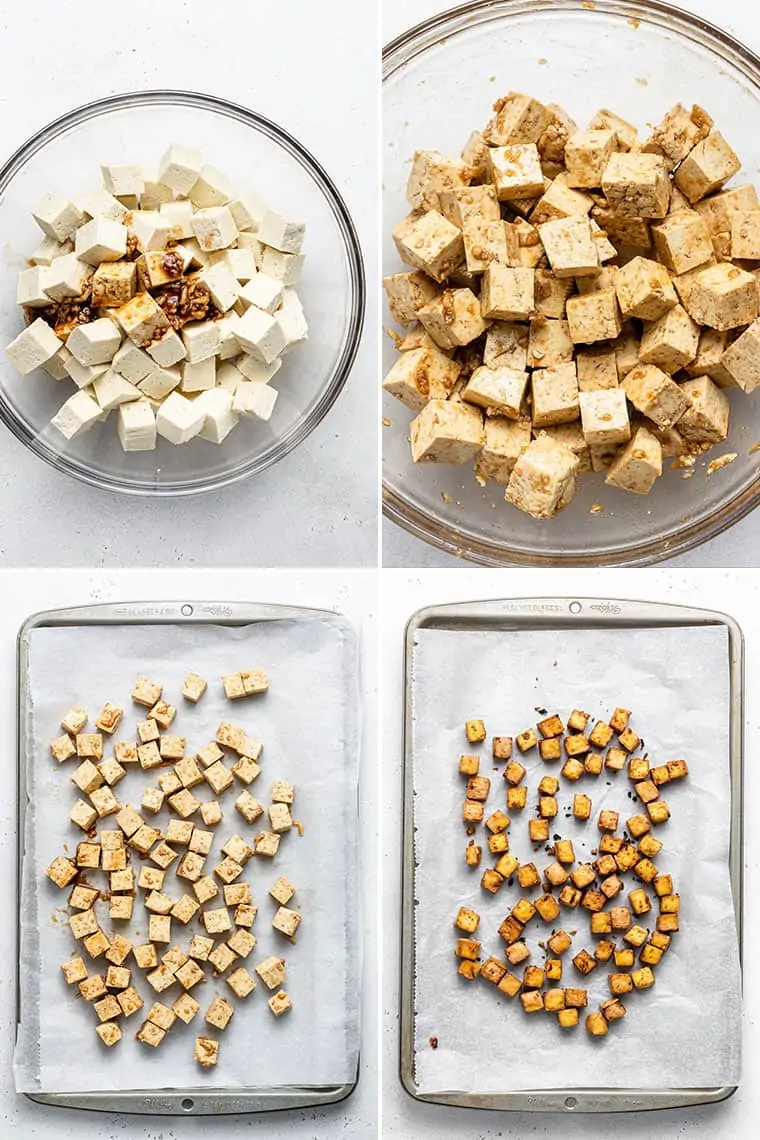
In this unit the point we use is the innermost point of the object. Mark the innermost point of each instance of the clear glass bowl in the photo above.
(65, 157)
(440, 80)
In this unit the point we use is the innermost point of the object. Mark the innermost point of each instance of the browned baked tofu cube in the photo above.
(604, 950)
(516, 953)
(620, 916)
(510, 985)
(467, 920)
(493, 970)
(660, 939)
(592, 765)
(596, 1025)
(478, 788)
(627, 857)
(572, 769)
(620, 983)
(491, 880)
(607, 821)
(660, 775)
(637, 826)
(667, 923)
(498, 822)
(528, 876)
(629, 740)
(583, 875)
(498, 844)
(547, 806)
(502, 747)
(514, 773)
(523, 910)
(551, 726)
(567, 1018)
(600, 735)
(638, 768)
(553, 969)
(659, 812)
(575, 998)
(593, 900)
(469, 765)
(554, 1000)
(538, 830)
(605, 866)
(576, 745)
(564, 852)
(647, 791)
(645, 870)
(510, 929)
(473, 855)
(526, 740)
(578, 720)
(467, 948)
(570, 896)
(610, 844)
(547, 907)
(625, 958)
(472, 812)
(639, 901)
(611, 886)
(475, 731)
(615, 759)
(533, 1001)
(507, 865)
(556, 874)
(533, 978)
(584, 962)
(643, 978)
(677, 769)
(559, 942)
(619, 720)
(650, 955)
(663, 885)
(612, 1010)
(636, 936)
(550, 749)
(516, 798)
(600, 923)
(469, 970)
(581, 806)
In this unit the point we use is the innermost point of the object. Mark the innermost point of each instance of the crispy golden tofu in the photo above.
(638, 768)
(469, 765)
(581, 806)
(491, 880)
(475, 731)
(667, 923)
(467, 920)
(549, 786)
(559, 942)
(636, 936)
(625, 958)
(649, 955)
(526, 740)
(639, 901)
(551, 726)
(605, 866)
(497, 822)
(677, 769)
(593, 763)
(660, 775)
(469, 970)
(472, 812)
(610, 844)
(643, 978)
(619, 720)
(629, 740)
(538, 830)
(627, 857)
(604, 950)
(593, 900)
(647, 791)
(514, 773)
(611, 886)
(607, 821)
(554, 1000)
(659, 812)
(553, 969)
(578, 720)
(564, 851)
(620, 983)
(637, 826)
(567, 1018)
(517, 798)
(533, 1001)
(570, 896)
(600, 923)
(649, 846)
(507, 865)
(615, 759)
(473, 855)
(510, 929)
(502, 747)
(583, 875)
(478, 788)
(584, 962)
(533, 978)
(600, 735)
(572, 769)
(612, 1010)
(596, 1025)
(523, 911)
(467, 948)
(516, 953)
(547, 806)
(550, 749)
(498, 844)
(547, 907)
(577, 745)
(493, 970)
(528, 876)
(509, 985)
(620, 917)
(556, 874)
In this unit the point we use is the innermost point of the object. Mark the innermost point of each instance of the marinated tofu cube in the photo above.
(431, 174)
(581, 806)
(532, 1002)
(550, 750)
(707, 166)
(572, 769)
(526, 740)
(584, 962)
(644, 289)
(547, 907)
(576, 745)
(637, 468)
(543, 479)
(596, 1025)
(637, 185)
(683, 241)
(446, 432)
(430, 243)
(538, 830)
(501, 749)
(570, 246)
(507, 293)
(516, 798)
(723, 296)
(658, 812)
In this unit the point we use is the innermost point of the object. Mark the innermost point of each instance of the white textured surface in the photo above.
(736, 592)
(739, 546)
(326, 488)
(29, 592)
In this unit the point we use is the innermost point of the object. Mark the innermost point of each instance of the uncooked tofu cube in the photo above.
(420, 375)
(33, 347)
(586, 156)
(518, 119)
(644, 289)
(683, 241)
(639, 464)
(446, 432)
(570, 246)
(453, 319)
(604, 417)
(505, 440)
(593, 317)
(597, 370)
(549, 343)
(723, 296)
(507, 293)
(706, 418)
(430, 243)
(706, 167)
(502, 389)
(745, 234)
(653, 393)
(717, 212)
(555, 395)
(486, 242)
(408, 292)
(515, 171)
(637, 185)
(671, 342)
(432, 173)
(543, 479)
(741, 360)
(679, 131)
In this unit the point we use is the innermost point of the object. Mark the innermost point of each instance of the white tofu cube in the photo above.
(168, 350)
(123, 180)
(179, 168)
(211, 188)
(228, 377)
(154, 193)
(214, 228)
(84, 375)
(604, 416)
(180, 217)
(48, 249)
(56, 217)
(178, 419)
(56, 366)
(67, 277)
(102, 204)
(220, 418)
(112, 390)
(555, 395)
(222, 284)
(286, 267)
(95, 343)
(101, 239)
(33, 347)
(152, 229)
(253, 245)
(264, 292)
(201, 340)
(253, 369)
(240, 262)
(281, 233)
(260, 335)
(78, 414)
(291, 320)
(252, 399)
(160, 383)
(137, 426)
(30, 290)
(229, 345)
(200, 376)
(133, 363)
(248, 211)
(542, 482)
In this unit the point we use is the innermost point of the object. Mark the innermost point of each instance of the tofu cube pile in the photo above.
(577, 300)
(633, 928)
(165, 298)
(163, 875)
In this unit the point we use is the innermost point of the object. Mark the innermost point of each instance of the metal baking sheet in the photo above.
(307, 649)
(561, 616)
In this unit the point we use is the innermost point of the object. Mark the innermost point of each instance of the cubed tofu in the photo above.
(722, 296)
(543, 479)
(446, 432)
(586, 156)
(639, 465)
(637, 185)
(570, 246)
(653, 393)
(594, 317)
(706, 418)
(420, 375)
(515, 171)
(683, 241)
(549, 343)
(430, 243)
(453, 319)
(507, 293)
(707, 166)
(644, 289)
(604, 417)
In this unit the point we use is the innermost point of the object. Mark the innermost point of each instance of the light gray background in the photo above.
(318, 506)
(403, 593)
(27, 592)
(739, 546)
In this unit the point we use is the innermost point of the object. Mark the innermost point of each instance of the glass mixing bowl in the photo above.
(440, 80)
(65, 158)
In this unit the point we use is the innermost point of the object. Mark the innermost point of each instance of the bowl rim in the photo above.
(462, 543)
(352, 333)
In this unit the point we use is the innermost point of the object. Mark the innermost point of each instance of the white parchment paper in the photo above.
(686, 1030)
(308, 723)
